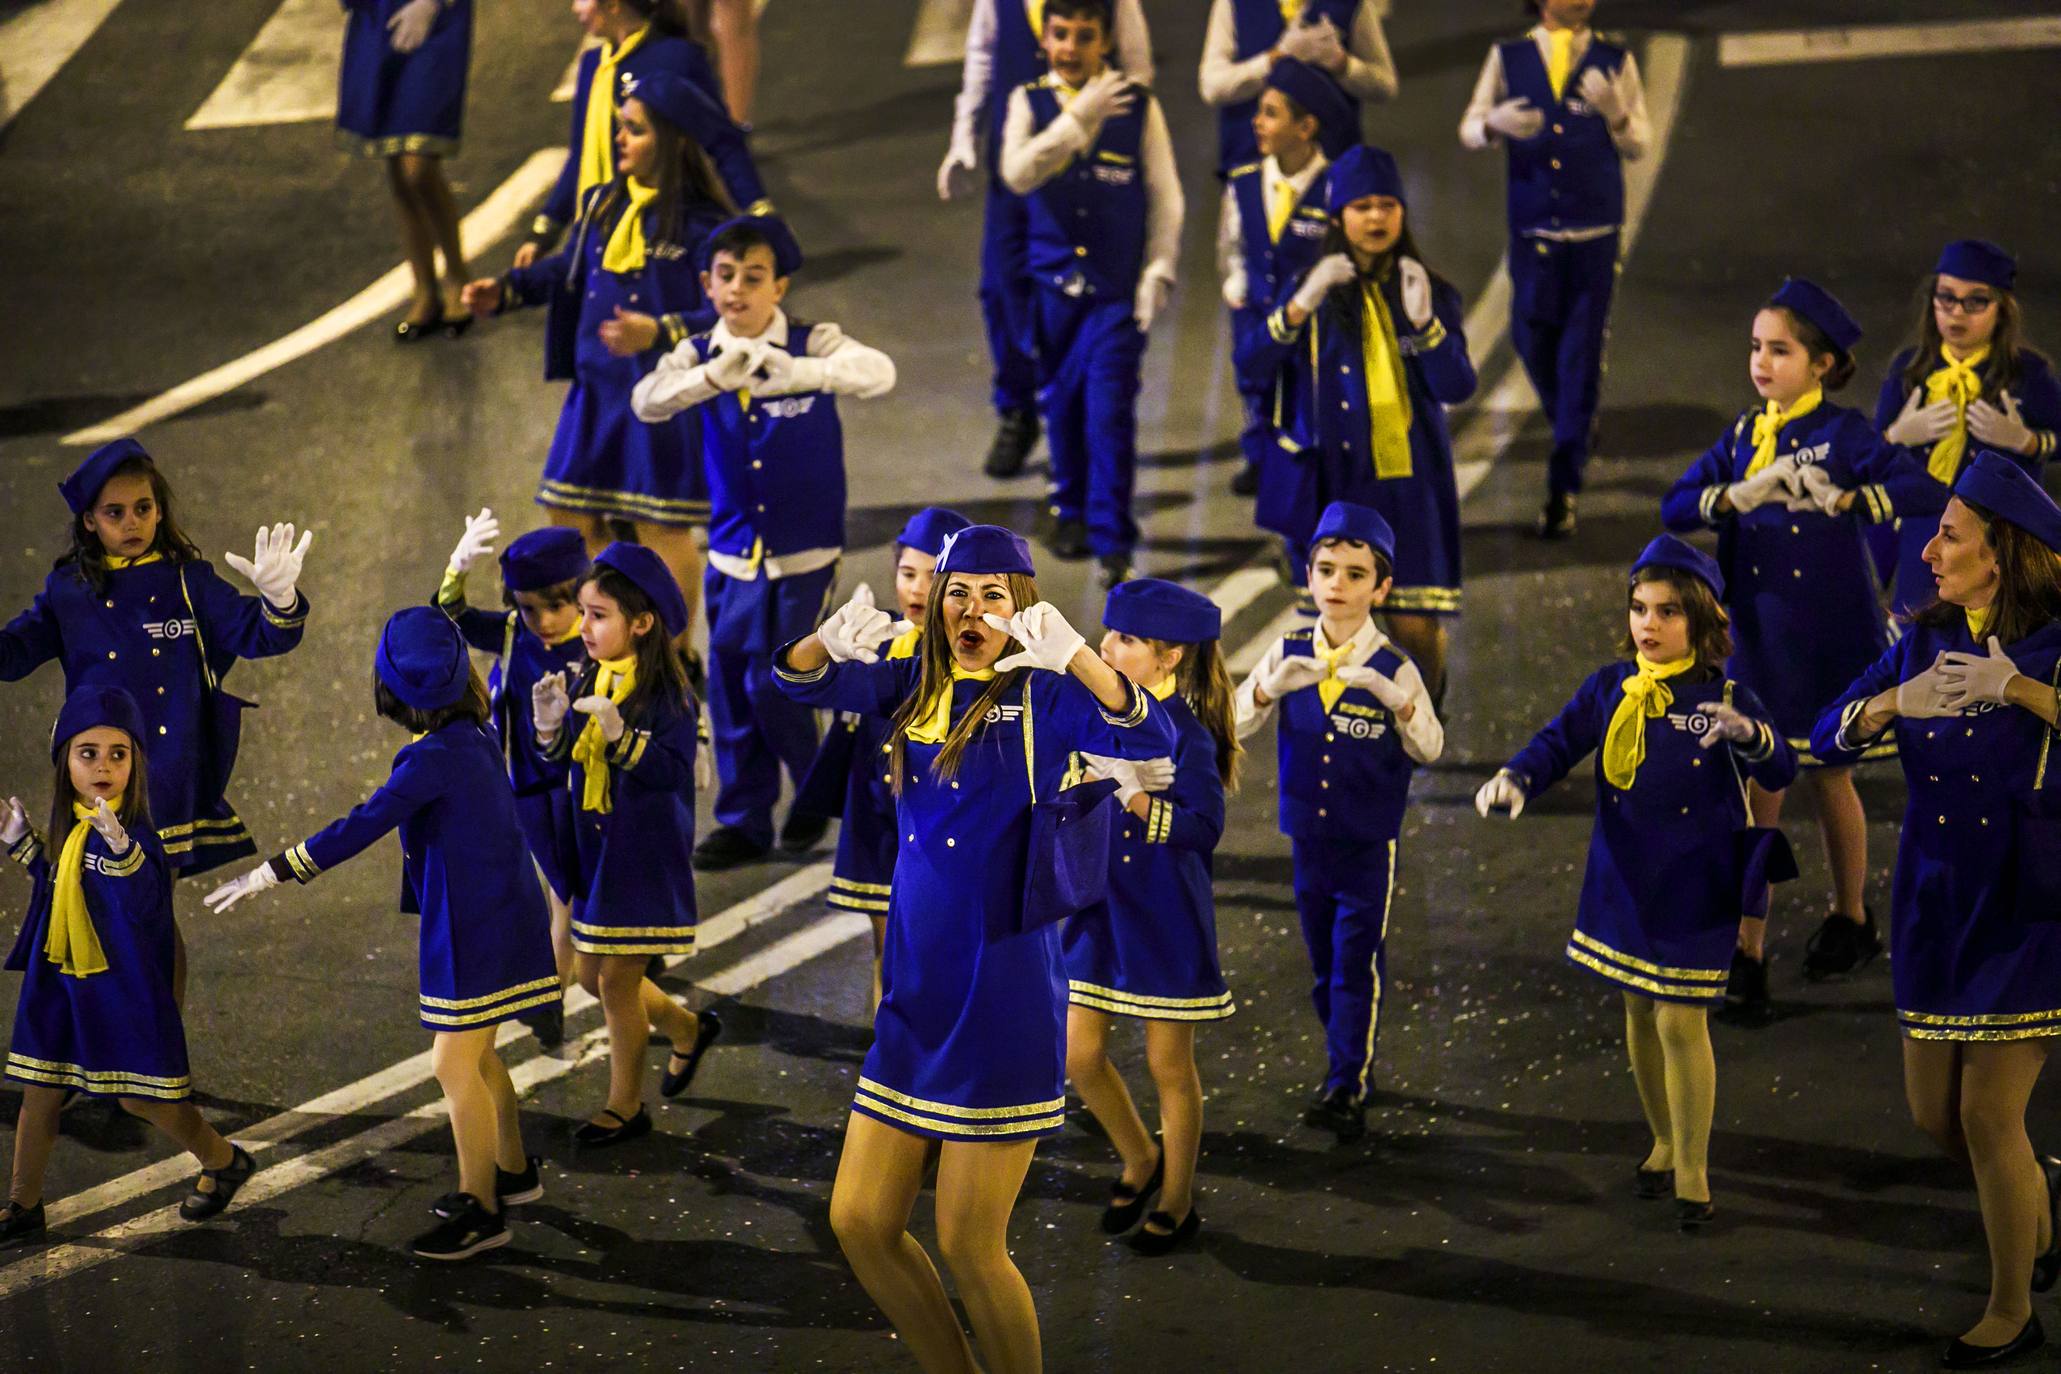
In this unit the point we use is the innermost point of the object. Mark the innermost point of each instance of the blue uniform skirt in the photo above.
(1424, 511)
(389, 103)
(1150, 950)
(547, 826)
(480, 970)
(111, 1034)
(1679, 951)
(605, 461)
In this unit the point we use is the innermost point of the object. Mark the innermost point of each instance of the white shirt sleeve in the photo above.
(845, 366)
(1488, 93)
(1424, 737)
(1637, 134)
(1224, 79)
(1165, 207)
(1133, 42)
(679, 382)
(1230, 252)
(975, 74)
(1029, 160)
(1369, 67)
(1250, 715)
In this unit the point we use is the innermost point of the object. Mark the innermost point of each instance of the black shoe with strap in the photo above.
(1692, 1216)
(1015, 436)
(1169, 1235)
(1127, 1204)
(511, 1190)
(1653, 1183)
(2046, 1268)
(20, 1225)
(708, 1027)
(1841, 945)
(1959, 1354)
(199, 1205)
(593, 1135)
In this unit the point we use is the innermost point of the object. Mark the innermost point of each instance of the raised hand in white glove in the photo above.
(862, 595)
(110, 827)
(1324, 276)
(410, 26)
(1290, 673)
(1604, 95)
(481, 532)
(732, 368)
(1724, 724)
(275, 566)
(1917, 424)
(1771, 483)
(955, 175)
(1104, 97)
(1237, 290)
(1500, 793)
(1966, 679)
(549, 701)
(605, 711)
(1386, 689)
(1820, 492)
(2001, 427)
(1048, 641)
(704, 755)
(236, 889)
(1416, 283)
(1316, 42)
(1518, 119)
(1924, 696)
(1150, 299)
(855, 631)
(14, 822)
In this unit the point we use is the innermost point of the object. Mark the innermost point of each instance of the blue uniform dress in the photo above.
(1150, 950)
(1259, 25)
(484, 954)
(1662, 895)
(388, 102)
(1800, 586)
(1919, 499)
(969, 1042)
(116, 1033)
(603, 459)
(862, 875)
(1966, 963)
(166, 633)
(1326, 442)
(634, 893)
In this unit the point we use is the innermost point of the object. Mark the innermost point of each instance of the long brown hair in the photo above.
(661, 673)
(1710, 629)
(686, 177)
(1341, 310)
(474, 706)
(89, 556)
(934, 652)
(2006, 342)
(134, 812)
(1204, 682)
(2028, 583)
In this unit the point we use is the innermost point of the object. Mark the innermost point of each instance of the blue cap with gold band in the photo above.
(92, 706)
(1364, 171)
(1814, 303)
(770, 230)
(1319, 97)
(2009, 492)
(1361, 524)
(1977, 260)
(985, 549)
(421, 658)
(89, 477)
(544, 558)
(1153, 608)
(680, 103)
(649, 574)
(1667, 551)
(928, 529)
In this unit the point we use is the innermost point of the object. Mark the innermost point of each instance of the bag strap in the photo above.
(1030, 748)
(2039, 774)
(207, 671)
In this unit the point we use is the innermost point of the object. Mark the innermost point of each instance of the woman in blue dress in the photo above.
(401, 97)
(969, 1044)
(1973, 689)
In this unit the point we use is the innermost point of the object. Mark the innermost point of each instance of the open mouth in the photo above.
(969, 641)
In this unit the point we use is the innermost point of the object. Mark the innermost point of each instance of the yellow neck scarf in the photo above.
(1646, 696)
(904, 645)
(1978, 621)
(1956, 382)
(1388, 395)
(614, 678)
(115, 562)
(73, 945)
(936, 721)
(1331, 688)
(570, 635)
(1163, 688)
(1768, 424)
(597, 139)
(625, 251)
(1559, 58)
(1278, 214)
(1291, 10)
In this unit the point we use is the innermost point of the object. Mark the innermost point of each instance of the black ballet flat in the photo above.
(1692, 1217)
(1127, 1205)
(412, 331)
(1147, 1241)
(1961, 1355)
(1653, 1183)
(707, 1028)
(593, 1137)
(454, 326)
(20, 1225)
(2046, 1268)
(199, 1206)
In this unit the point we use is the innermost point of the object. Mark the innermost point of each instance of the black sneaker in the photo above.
(1747, 1002)
(1069, 538)
(547, 1023)
(1114, 568)
(1245, 481)
(1840, 946)
(19, 1225)
(1556, 520)
(802, 832)
(511, 1189)
(467, 1231)
(1339, 1112)
(727, 847)
(1015, 437)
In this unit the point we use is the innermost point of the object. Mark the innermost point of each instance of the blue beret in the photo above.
(1338, 123)
(544, 558)
(1978, 260)
(421, 658)
(680, 103)
(1814, 303)
(89, 706)
(1361, 524)
(2009, 492)
(1669, 552)
(771, 230)
(929, 528)
(985, 549)
(89, 477)
(1364, 170)
(650, 575)
(1157, 609)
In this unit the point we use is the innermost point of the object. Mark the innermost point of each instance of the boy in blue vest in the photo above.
(1569, 108)
(1089, 152)
(1346, 750)
(1004, 50)
(774, 449)
(1245, 38)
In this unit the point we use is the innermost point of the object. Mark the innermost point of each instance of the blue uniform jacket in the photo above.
(129, 900)
(520, 659)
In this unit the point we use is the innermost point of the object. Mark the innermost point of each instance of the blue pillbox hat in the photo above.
(1154, 608)
(89, 477)
(1821, 308)
(1667, 551)
(650, 575)
(421, 658)
(985, 549)
(1364, 170)
(2009, 492)
(787, 253)
(928, 529)
(1361, 524)
(1338, 124)
(1978, 260)
(544, 558)
(90, 706)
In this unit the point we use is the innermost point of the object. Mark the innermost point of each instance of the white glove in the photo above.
(1604, 95)
(2000, 428)
(704, 756)
(1919, 425)
(1315, 43)
(605, 711)
(275, 566)
(1237, 289)
(14, 822)
(732, 368)
(1048, 641)
(1966, 679)
(1771, 483)
(854, 632)
(1518, 119)
(1327, 274)
(110, 827)
(1131, 776)
(481, 532)
(1290, 673)
(1416, 291)
(1104, 96)
(1153, 290)
(410, 26)
(1820, 492)
(1386, 689)
(955, 175)
(1727, 725)
(1924, 696)
(862, 595)
(1501, 792)
(236, 889)
(549, 701)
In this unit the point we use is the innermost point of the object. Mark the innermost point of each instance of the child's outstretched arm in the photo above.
(1566, 740)
(262, 625)
(408, 790)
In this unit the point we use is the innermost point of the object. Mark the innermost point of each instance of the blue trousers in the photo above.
(1005, 298)
(1559, 318)
(1089, 352)
(758, 729)
(1342, 894)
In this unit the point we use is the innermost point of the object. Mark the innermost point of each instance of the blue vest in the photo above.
(1018, 60)
(1270, 265)
(1087, 224)
(1258, 26)
(1570, 176)
(1344, 775)
(776, 469)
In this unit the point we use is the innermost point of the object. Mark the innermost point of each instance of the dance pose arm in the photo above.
(487, 631)
(1440, 342)
(1567, 739)
(661, 756)
(806, 671)
(30, 640)
(836, 363)
(412, 786)
(1696, 500)
(1190, 814)
(1746, 727)
(1867, 708)
(259, 626)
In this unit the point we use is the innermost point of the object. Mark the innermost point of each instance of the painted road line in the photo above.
(286, 75)
(1787, 46)
(504, 209)
(938, 38)
(789, 951)
(36, 43)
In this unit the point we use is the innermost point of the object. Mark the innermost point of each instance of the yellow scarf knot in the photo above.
(935, 722)
(1956, 382)
(625, 251)
(115, 562)
(1331, 687)
(1768, 425)
(1978, 621)
(1163, 688)
(73, 945)
(1646, 697)
(1388, 393)
(597, 137)
(614, 678)
(1279, 213)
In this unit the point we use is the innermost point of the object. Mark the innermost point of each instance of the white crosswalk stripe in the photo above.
(36, 43)
(287, 74)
